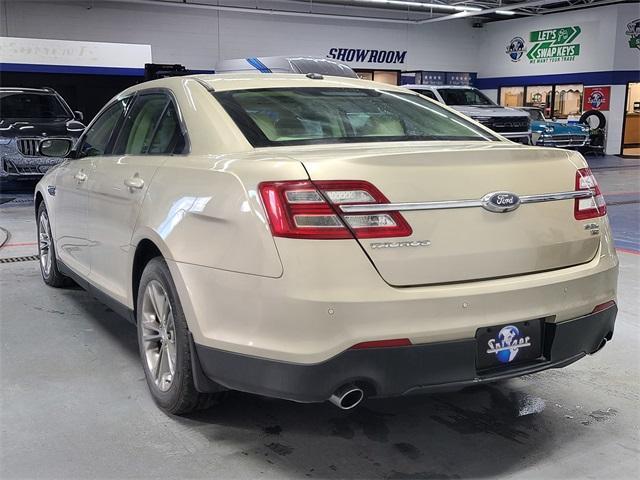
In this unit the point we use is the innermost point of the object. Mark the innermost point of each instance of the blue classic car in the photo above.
(546, 133)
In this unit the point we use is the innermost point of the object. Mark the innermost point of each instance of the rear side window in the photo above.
(151, 127)
(96, 140)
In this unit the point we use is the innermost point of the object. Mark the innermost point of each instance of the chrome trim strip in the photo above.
(448, 204)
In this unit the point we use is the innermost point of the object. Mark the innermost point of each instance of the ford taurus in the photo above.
(320, 238)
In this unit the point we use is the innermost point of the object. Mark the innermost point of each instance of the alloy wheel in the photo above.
(158, 335)
(44, 244)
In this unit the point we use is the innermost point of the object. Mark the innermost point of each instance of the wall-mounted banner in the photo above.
(596, 98)
(633, 31)
(35, 54)
(552, 45)
(367, 56)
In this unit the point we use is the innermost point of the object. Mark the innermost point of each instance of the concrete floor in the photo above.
(74, 403)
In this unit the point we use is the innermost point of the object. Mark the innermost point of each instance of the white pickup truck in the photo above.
(509, 122)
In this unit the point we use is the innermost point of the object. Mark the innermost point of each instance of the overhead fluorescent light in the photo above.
(505, 12)
(437, 6)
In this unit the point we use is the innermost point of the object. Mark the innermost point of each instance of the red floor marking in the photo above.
(628, 250)
(23, 244)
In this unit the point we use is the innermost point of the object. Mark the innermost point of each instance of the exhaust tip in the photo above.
(347, 397)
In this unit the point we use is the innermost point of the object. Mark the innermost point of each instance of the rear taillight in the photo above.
(592, 207)
(305, 209)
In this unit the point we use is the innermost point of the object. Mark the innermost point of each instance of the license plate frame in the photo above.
(506, 345)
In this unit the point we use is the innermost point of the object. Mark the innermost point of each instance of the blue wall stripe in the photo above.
(73, 69)
(619, 77)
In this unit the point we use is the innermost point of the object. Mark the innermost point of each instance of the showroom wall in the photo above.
(604, 57)
(197, 38)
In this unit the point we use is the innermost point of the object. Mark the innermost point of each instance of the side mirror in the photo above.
(79, 115)
(55, 147)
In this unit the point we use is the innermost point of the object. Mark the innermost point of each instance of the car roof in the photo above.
(244, 81)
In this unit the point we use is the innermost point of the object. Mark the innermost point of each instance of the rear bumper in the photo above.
(400, 370)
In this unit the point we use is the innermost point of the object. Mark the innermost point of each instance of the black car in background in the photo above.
(28, 115)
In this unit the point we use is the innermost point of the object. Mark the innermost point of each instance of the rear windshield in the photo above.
(31, 105)
(464, 96)
(306, 116)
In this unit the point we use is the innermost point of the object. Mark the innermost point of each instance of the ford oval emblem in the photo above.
(500, 202)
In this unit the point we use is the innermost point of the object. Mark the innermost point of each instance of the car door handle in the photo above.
(134, 182)
(80, 176)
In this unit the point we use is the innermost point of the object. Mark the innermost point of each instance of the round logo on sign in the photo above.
(516, 48)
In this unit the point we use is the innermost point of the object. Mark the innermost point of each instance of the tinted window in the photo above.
(150, 127)
(427, 93)
(96, 140)
(337, 115)
(463, 96)
(31, 105)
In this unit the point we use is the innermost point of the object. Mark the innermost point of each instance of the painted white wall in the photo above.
(198, 38)
(626, 58)
(615, 119)
(596, 43)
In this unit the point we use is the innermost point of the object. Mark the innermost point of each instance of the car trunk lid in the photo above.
(463, 244)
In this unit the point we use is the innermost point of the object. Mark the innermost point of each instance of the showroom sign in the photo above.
(554, 45)
(367, 55)
(551, 45)
(633, 31)
(67, 53)
(596, 98)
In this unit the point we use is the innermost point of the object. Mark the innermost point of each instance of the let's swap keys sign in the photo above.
(554, 45)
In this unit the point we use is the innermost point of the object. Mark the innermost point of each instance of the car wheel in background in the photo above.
(163, 339)
(47, 252)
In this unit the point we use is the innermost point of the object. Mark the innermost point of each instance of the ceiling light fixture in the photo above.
(505, 12)
(455, 8)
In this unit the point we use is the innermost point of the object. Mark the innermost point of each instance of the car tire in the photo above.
(47, 252)
(163, 339)
(588, 117)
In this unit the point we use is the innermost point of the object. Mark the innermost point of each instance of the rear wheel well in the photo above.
(145, 252)
(38, 200)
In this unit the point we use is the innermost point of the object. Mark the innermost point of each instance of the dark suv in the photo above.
(27, 115)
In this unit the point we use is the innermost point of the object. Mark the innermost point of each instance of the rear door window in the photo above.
(150, 127)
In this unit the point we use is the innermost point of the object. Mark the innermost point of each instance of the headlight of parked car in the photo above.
(5, 140)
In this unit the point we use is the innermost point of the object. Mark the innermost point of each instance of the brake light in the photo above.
(305, 209)
(593, 207)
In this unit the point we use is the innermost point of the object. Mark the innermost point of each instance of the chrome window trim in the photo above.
(449, 204)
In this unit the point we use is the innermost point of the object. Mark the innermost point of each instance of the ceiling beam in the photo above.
(508, 7)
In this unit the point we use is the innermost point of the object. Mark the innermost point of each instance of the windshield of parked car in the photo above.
(536, 115)
(31, 105)
(304, 116)
(464, 96)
